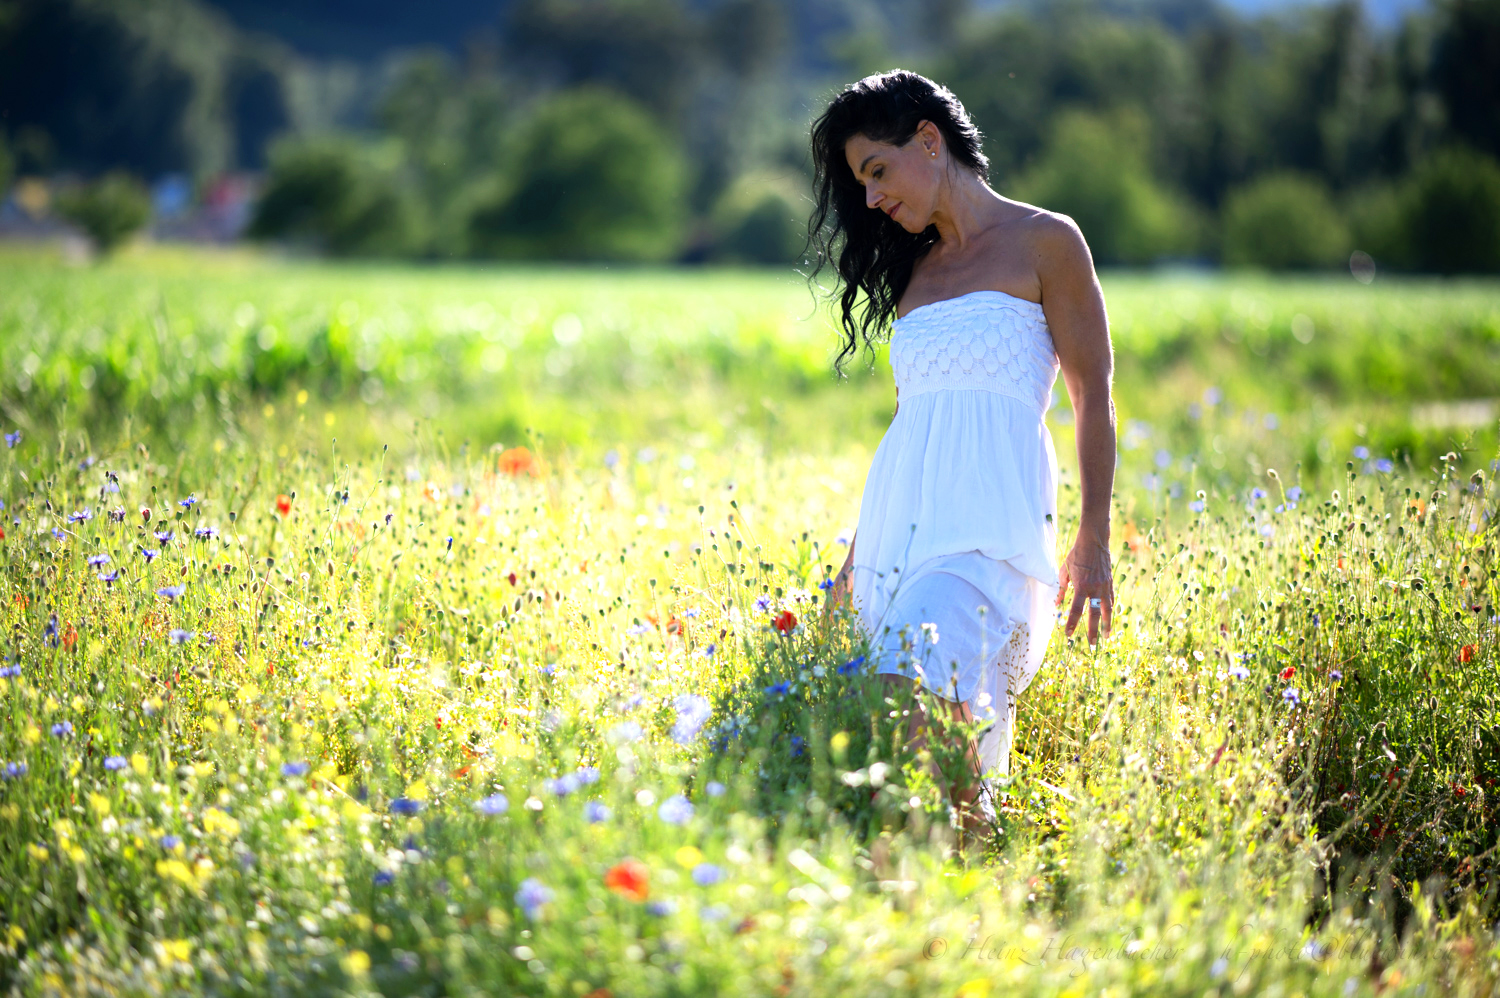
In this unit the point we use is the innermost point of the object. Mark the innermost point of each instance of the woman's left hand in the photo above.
(1087, 570)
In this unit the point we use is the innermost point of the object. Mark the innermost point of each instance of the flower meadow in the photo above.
(290, 708)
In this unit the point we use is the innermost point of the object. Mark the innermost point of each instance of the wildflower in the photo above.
(611, 458)
(595, 812)
(1384, 465)
(588, 774)
(98, 560)
(797, 744)
(714, 788)
(563, 786)
(517, 461)
(691, 613)
(1288, 673)
(162, 535)
(1266, 530)
(708, 650)
(493, 804)
(1466, 653)
(1294, 493)
(62, 729)
(179, 636)
(1220, 965)
(932, 633)
(1257, 493)
(661, 908)
(630, 878)
(171, 843)
(406, 805)
(1197, 505)
(49, 631)
(625, 731)
(204, 533)
(171, 592)
(384, 878)
(762, 603)
(705, 874)
(145, 514)
(115, 762)
(1291, 696)
(778, 689)
(117, 515)
(785, 621)
(1239, 671)
(58, 534)
(450, 542)
(532, 895)
(79, 516)
(852, 666)
(14, 770)
(1362, 452)
(692, 713)
(149, 554)
(675, 810)
(188, 502)
(388, 518)
(1335, 675)
(826, 584)
(294, 768)
(637, 629)
(11, 439)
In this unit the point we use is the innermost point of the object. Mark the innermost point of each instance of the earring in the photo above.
(934, 152)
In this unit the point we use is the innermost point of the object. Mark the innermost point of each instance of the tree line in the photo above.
(671, 130)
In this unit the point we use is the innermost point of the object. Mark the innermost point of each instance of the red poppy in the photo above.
(1466, 653)
(1288, 672)
(785, 621)
(512, 578)
(283, 505)
(517, 461)
(629, 877)
(2, 533)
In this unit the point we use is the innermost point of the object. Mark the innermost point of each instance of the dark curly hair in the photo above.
(873, 253)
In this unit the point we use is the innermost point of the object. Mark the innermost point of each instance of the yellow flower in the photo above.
(36, 852)
(78, 703)
(176, 869)
(688, 857)
(357, 963)
(176, 950)
(32, 734)
(99, 803)
(215, 820)
(418, 790)
(139, 764)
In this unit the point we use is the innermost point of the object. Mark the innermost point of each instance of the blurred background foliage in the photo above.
(1244, 133)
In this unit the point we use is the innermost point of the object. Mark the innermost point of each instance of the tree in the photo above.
(110, 209)
(1451, 211)
(597, 179)
(336, 195)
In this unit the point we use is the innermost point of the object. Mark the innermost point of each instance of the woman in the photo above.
(953, 568)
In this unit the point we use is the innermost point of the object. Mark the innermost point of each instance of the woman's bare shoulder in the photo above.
(1052, 237)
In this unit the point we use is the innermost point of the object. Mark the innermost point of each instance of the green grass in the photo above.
(1170, 825)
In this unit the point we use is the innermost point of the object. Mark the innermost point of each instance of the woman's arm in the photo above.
(1074, 304)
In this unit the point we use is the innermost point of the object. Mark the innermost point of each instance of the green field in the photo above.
(458, 551)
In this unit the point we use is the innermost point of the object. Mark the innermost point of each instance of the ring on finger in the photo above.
(1095, 603)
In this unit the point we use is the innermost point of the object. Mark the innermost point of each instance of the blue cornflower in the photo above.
(58, 534)
(62, 729)
(9, 671)
(1197, 505)
(96, 560)
(693, 712)
(636, 629)
(1294, 493)
(588, 774)
(595, 812)
(171, 842)
(625, 731)
(1362, 452)
(1267, 530)
(714, 788)
(661, 908)
(384, 878)
(162, 535)
(762, 603)
(188, 502)
(675, 810)
(852, 666)
(406, 805)
(708, 650)
(705, 874)
(78, 516)
(171, 592)
(1291, 696)
(14, 770)
(114, 762)
(1335, 675)
(49, 631)
(181, 637)
(450, 542)
(1257, 493)
(149, 554)
(11, 439)
(532, 895)
(204, 533)
(294, 768)
(1239, 671)
(562, 786)
(117, 514)
(388, 518)
(797, 744)
(826, 584)
(777, 689)
(493, 804)
(691, 613)
(1384, 465)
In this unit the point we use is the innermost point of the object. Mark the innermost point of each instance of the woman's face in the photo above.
(901, 181)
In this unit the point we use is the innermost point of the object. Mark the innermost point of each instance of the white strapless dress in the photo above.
(955, 564)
